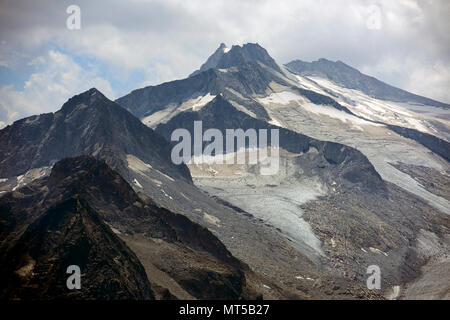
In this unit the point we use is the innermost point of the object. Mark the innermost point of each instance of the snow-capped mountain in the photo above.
(362, 179)
(405, 139)
(79, 166)
(345, 76)
(249, 79)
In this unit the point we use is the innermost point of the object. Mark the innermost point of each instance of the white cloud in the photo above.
(430, 81)
(58, 78)
(168, 40)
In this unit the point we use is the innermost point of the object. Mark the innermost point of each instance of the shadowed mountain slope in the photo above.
(88, 123)
(86, 214)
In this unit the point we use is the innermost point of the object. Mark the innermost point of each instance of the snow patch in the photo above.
(161, 116)
(137, 183)
(31, 175)
(275, 122)
(184, 196)
(375, 250)
(172, 109)
(137, 165)
(165, 193)
(371, 108)
(338, 114)
(202, 101)
(283, 98)
(157, 182)
(278, 205)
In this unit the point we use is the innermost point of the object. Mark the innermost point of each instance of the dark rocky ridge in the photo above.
(86, 173)
(80, 202)
(351, 78)
(148, 100)
(88, 123)
(438, 146)
(249, 78)
(68, 233)
(435, 181)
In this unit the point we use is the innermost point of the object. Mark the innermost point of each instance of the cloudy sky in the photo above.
(124, 45)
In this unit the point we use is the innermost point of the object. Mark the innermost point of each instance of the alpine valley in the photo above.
(363, 179)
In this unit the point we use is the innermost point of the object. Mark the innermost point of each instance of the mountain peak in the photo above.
(212, 60)
(89, 98)
(92, 92)
(319, 64)
(224, 57)
(88, 123)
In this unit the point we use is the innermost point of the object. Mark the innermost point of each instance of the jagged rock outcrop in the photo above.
(78, 215)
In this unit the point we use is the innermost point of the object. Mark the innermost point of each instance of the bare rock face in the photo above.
(78, 215)
(88, 123)
(225, 57)
(71, 233)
